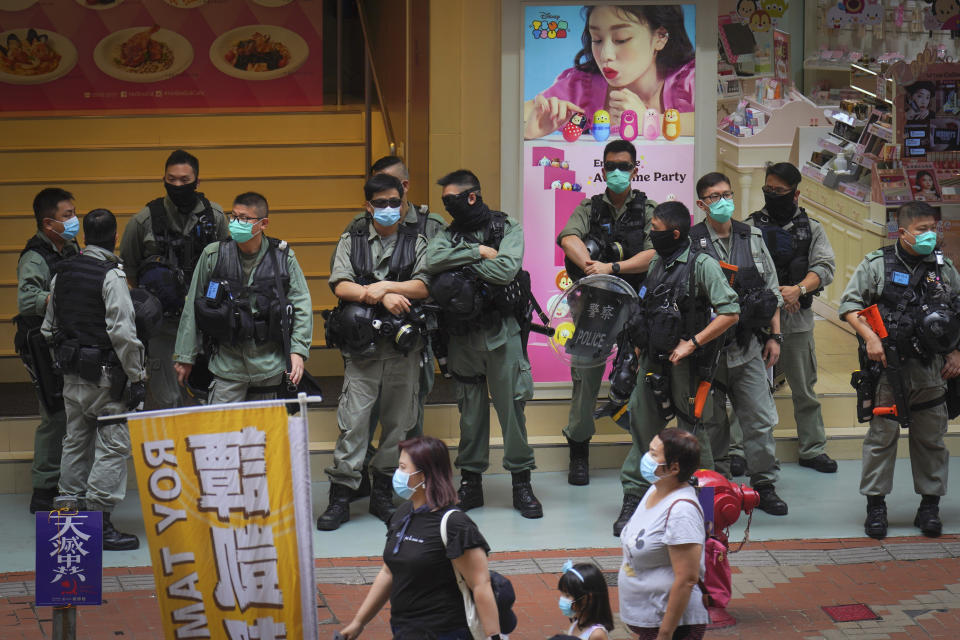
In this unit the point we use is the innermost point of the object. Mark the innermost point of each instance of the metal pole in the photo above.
(367, 126)
(339, 52)
(65, 618)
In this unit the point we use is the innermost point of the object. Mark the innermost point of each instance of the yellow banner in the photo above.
(226, 502)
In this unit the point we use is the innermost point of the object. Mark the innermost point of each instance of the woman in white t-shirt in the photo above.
(663, 546)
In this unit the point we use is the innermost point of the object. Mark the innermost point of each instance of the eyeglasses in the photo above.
(383, 203)
(624, 165)
(244, 219)
(776, 191)
(715, 197)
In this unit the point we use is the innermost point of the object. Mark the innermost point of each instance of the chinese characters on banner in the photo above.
(69, 558)
(226, 503)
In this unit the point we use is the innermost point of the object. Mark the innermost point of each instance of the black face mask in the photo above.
(781, 208)
(665, 244)
(466, 216)
(183, 196)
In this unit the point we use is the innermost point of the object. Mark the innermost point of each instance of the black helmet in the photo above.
(938, 329)
(148, 312)
(353, 326)
(457, 293)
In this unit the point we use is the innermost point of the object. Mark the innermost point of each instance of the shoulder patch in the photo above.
(873, 255)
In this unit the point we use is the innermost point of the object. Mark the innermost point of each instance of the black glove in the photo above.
(138, 392)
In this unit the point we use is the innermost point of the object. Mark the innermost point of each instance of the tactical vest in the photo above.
(627, 231)
(789, 248)
(78, 300)
(224, 312)
(25, 323)
(181, 251)
(906, 297)
(672, 310)
(404, 255)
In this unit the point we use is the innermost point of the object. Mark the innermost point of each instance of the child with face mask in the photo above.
(585, 601)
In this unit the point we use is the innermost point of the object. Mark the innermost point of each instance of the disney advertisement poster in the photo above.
(592, 74)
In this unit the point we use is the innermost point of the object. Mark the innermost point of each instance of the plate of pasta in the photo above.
(259, 52)
(143, 54)
(35, 56)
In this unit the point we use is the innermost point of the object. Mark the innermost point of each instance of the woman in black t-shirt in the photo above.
(418, 571)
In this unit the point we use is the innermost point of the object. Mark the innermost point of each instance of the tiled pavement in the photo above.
(779, 589)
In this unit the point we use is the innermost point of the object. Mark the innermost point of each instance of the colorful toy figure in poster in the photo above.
(633, 58)
(942, 14)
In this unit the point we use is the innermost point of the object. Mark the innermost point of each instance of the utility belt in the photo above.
(90, 363)
(227, 320)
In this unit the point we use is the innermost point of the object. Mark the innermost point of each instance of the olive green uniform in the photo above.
(237, 368)
(33, 287)
(586, 380)
(645, 422)
(102, 480)
(929, 457)
(798, 355)
(137, 246)
(386, 379)
(496, 353)
(434, 225)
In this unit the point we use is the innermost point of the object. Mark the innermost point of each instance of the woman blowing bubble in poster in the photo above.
(634, 57)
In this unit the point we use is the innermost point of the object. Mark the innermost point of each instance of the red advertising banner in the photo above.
(160, 54)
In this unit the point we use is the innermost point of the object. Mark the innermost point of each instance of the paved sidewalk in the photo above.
(912, 584)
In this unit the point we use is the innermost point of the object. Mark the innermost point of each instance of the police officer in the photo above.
(907, 280)
(377, 274)
(57, 226)
(160, 248)
(673, 332)
(805, 264)
(250, 303)
(741, 373)
(616, 223)
(90, 323)
(429, 224)
(484, 248)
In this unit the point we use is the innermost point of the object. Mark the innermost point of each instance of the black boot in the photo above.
(381, 498)
(928, 517)
(42, 499)
(114, 540)
(338, 508)
(470, 492)
(579, 473)
(770, 501)
(523, 499)
(630, 502)
(875, 525)
(363, 491)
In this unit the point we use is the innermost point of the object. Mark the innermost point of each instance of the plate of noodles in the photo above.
(259, 52)
(143, 54)
(34, 56)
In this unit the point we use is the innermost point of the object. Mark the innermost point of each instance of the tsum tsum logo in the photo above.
(549, 27)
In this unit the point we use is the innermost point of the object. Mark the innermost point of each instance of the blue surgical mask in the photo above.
(721, 210)
(648, 468)
(241, 231)
(387, 217)
(618, 180)
(925, 242)
(400, 481)
(72, 226)
(566, 606)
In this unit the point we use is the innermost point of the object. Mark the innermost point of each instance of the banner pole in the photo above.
(158, 413)
(302, 399)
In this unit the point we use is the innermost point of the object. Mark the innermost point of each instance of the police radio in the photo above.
(215, 292)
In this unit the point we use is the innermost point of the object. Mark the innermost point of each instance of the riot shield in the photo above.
(588, 318)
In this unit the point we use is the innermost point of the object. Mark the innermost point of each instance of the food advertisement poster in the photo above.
(591, 74)
(69, 55)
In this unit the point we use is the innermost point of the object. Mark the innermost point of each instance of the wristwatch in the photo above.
(803, 289)
(777, 336)
(694, 341)
(615, 267)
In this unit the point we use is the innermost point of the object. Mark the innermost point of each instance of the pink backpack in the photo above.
(717, 581)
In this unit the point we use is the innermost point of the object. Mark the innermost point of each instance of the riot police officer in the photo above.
(378, 276)
(160, 248)
(915, 288)
(754, 345)
(57, 226)
(248, 308)
(616, 224)
(673, 332)
(805, 264)
(429, 224)
(90, 324)
(480, 254)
